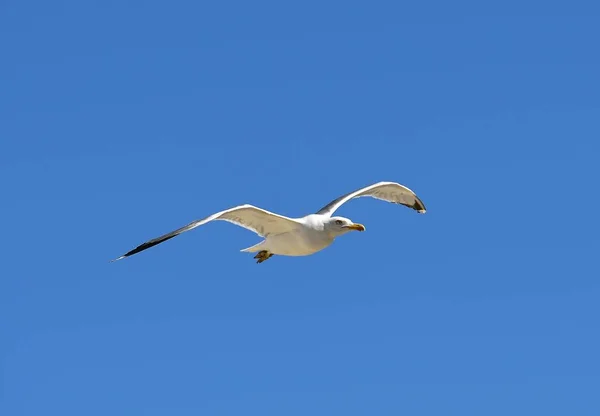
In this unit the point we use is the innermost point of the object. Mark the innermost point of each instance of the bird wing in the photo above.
(386, 191)
(255, 219)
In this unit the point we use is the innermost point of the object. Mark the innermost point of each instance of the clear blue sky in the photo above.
(120, 121)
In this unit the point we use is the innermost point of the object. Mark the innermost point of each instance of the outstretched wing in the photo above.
(260, 221)
(386, 191)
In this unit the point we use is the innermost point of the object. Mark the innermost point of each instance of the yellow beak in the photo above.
(356, 227)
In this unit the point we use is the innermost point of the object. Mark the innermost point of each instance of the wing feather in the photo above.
(385, 191)
(261, 221)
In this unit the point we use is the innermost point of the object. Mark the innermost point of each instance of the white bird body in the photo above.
(297, 236)
(306, 239)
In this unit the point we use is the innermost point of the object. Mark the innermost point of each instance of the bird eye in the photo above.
(339, 222)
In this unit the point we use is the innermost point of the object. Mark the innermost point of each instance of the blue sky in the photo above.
(120, 121)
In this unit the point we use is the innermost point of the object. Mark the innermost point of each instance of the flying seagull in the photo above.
(296, 236)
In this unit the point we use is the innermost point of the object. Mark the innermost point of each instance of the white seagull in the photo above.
(296, 236)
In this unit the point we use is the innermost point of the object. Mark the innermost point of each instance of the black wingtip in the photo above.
(417, 206)
(144, 246)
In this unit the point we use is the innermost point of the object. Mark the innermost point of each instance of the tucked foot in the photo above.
(262, 256)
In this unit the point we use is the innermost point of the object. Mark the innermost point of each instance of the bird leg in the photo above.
(262, 256)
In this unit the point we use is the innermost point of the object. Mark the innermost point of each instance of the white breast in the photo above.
(306, 240)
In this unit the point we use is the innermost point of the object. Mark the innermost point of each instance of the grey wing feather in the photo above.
(252, 218)
(386, 191)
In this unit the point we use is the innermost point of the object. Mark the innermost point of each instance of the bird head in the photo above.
(341, 225)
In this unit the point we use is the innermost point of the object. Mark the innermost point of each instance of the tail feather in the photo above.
(254, 248)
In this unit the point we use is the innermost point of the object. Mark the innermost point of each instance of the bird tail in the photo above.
(254, 248)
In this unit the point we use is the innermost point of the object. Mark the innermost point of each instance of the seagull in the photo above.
(303, 236)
